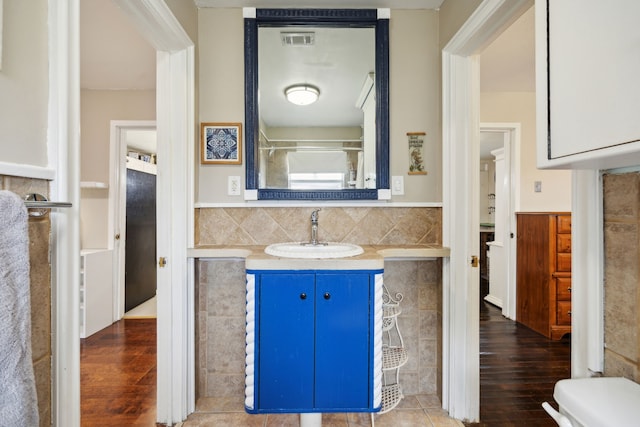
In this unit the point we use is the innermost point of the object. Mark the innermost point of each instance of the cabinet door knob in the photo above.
(303, 296)
(327, 295)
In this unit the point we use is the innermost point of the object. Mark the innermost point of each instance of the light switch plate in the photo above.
(537, 186)
(397, 185)
(233, 188)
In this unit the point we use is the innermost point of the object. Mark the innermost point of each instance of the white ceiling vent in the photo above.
(298, 38)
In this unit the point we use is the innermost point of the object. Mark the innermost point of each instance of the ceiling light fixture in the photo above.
(302, 94)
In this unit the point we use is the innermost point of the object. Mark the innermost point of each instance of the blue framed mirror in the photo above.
(336, 148)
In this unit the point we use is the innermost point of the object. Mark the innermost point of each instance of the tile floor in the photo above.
(413, 411)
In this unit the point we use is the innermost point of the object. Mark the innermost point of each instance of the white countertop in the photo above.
(373, 257)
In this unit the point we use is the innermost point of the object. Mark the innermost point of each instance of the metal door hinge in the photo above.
(474, 261)
(162, 262)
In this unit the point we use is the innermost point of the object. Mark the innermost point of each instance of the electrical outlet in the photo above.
(397, 185)
(233, 188)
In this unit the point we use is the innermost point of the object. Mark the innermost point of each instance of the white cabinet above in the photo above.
(588, 94)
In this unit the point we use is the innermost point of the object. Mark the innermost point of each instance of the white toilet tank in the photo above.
(596, 402)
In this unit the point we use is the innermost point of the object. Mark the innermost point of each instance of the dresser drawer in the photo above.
(564, 224)
(563, 288)
(564, 312)
(563, 262)
(563, 243)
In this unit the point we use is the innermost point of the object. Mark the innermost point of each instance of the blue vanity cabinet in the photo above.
(285, 346)
(314, 341)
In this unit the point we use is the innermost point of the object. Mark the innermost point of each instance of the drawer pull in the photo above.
(303, 296)
(327, 295)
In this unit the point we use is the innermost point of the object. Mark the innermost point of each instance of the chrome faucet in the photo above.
(314, 227)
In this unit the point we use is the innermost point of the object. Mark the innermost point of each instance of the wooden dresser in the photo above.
(543, 272)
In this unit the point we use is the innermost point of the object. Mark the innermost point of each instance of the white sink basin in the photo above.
(307, 250)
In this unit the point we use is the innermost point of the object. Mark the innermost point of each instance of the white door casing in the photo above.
(63, 143)
(117, 204)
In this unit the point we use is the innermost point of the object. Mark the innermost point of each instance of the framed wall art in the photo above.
(416, 153)
(221, 143)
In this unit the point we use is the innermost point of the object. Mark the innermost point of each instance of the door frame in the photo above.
(63, 145)
(175, 119)
(117, 224)
(461, 140)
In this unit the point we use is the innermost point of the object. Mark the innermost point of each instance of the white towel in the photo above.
(18, 400)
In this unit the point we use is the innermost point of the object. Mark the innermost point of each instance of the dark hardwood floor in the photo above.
(518, 370)
(118, 375)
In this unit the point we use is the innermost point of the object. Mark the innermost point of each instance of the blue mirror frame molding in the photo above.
(316, 17)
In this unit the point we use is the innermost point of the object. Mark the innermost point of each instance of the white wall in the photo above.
(414, 96)
(24, 83)
(519, 107)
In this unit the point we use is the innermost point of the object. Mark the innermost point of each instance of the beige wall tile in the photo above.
(226, 294)
(621, 274)
(621, 195)
(42, 372)
(621, 278)
(617, 366)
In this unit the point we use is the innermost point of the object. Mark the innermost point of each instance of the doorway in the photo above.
(140, 242)
(133, 175)
(461, 134)
(500, 151)
(175, 71)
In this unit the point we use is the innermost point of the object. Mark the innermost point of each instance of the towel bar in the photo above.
(38, 204)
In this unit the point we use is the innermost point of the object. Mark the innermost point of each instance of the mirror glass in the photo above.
(335, 146)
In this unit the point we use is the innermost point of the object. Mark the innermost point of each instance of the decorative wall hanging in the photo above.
(221, 143)
(416, 153)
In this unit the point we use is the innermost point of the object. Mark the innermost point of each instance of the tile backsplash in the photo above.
(622, 276)
(364, 226)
